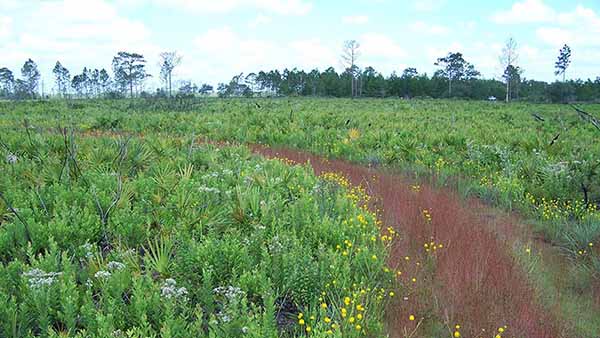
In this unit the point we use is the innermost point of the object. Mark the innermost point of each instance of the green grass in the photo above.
(156, 236)
(503, 152)
(500, 153)
(562, 287)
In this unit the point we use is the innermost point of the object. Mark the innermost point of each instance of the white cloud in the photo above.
(95, 21)
(578, 28)
(78, 34)
(431, 29)
(222, 52)
(433, 53)
(5, 26)
(313, 53)
(530, 52)
(467, 25)
(89, 33)
(283, 7)
(428, 5)
(380, 45)
(382, 52)
(217, 40)
(554, 35)
(526, 11)
(260, 20)
(355, 19)
(581, 17)
(201, 5)
(536, 11)
(9, 4)
(225, 52)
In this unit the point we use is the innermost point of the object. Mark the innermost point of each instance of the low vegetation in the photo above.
(144, 237)
(127, 183)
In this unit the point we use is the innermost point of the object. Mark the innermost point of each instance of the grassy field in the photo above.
(109, 221)
(157, 236)
(541, 160)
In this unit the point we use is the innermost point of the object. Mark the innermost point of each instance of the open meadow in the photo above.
(299, 169)
(153, 218)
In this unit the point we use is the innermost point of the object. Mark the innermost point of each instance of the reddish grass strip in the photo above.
(472, 281)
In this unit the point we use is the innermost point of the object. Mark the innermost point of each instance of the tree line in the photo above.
(129, 74)
(454, 78)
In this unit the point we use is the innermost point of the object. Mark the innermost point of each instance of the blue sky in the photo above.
(219, 39)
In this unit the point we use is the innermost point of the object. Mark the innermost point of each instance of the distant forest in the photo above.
(454, 78)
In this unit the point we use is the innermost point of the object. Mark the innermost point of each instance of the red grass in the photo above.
(475, 281)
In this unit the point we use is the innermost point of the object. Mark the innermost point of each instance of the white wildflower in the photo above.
(38, 278)
(223, 317)
(275, 245)
(170, 290)
(209, 190)
(87, 249)
(102, 274)
(230, 292)
(11, 158)
(113, 266)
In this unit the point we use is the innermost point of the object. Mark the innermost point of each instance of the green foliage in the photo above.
(157, 236)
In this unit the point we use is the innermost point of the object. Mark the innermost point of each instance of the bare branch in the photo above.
(588, 117)
(16, 213)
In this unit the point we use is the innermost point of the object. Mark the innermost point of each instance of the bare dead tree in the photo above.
(105, 212)
(537, 117)
(70, 164)
(16, 213)
(350, 56)
(588, 117)
(508, 58)
(168, 62)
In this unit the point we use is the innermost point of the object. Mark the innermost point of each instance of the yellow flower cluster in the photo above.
(547, 209)
(554, 209)
(391, 233)
(426, 215)
(336, 178)
(356, 194)
(486, 181)
(440, 164)
(501, 330)
(432, 246)
(583, 252)
(344, 310)
(286, 161)
(353, 134)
